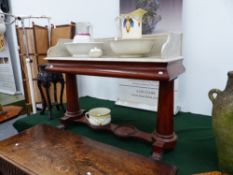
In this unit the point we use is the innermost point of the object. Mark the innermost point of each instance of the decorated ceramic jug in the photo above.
(131, 24)
(222, 122)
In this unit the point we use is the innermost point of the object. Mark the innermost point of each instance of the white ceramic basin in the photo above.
(132, 47)
(82, 49)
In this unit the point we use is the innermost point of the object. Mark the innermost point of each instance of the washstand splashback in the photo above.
(165, 46)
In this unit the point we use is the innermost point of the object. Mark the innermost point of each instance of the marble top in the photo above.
(117, 59)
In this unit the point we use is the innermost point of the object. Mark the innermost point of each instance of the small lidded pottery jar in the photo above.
(222, 122)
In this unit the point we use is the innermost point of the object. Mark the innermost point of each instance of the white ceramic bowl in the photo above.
(99, 116)
(132, 47)
(84, 49)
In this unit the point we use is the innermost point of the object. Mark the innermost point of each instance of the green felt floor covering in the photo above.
(195, 151)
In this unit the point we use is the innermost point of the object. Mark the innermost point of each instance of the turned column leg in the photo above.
(164, 136)
(73, 110)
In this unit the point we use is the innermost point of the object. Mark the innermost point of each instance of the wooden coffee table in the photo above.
(45, 150)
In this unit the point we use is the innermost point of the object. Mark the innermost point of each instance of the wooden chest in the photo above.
(48, 151)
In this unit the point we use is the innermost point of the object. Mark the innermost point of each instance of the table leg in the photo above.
(164, 136)
(73, 110)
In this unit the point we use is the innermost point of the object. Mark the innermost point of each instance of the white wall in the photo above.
(100, 13)
(208, 48)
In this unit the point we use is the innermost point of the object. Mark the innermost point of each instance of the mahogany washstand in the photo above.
(163, 70)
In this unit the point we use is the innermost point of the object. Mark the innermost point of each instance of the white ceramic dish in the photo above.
(83, 49)
(132, 47)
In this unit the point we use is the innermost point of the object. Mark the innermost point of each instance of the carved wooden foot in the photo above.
(162, 143)
(158, 149)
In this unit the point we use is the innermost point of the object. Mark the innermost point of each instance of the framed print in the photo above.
(163, 16)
